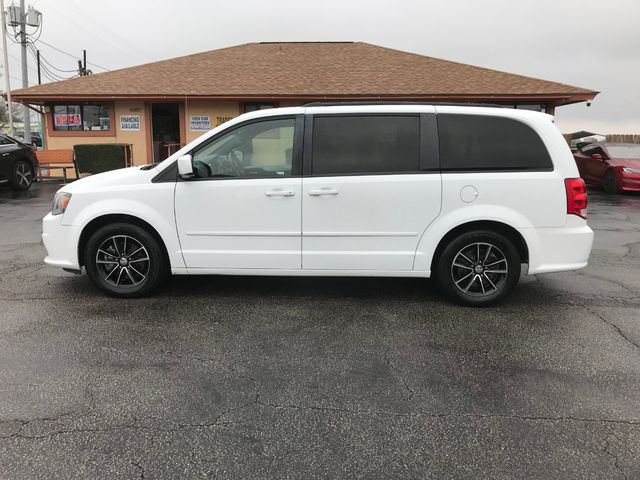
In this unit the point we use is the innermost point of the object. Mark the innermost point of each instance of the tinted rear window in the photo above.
(477, 142)
(365, 144)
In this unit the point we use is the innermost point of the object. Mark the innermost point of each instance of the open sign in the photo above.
(67, 119)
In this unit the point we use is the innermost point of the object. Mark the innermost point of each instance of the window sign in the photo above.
(67, 120)
(81, 117)
(221, 120)
(130, 122)
(200, 122)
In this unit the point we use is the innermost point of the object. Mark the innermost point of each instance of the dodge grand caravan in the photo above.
(465, 194)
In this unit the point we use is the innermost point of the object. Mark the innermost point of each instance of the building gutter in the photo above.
(557, 98)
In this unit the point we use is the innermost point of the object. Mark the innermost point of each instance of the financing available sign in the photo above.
(200, 123)
(130, 122)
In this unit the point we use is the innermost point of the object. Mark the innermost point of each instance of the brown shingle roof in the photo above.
(304, 70)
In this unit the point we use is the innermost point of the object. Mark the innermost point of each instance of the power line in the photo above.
(34, 52)
(53, 76)
(71, 55)
(18, 60)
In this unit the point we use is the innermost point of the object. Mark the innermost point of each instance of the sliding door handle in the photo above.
(323, 191)
(278, 192)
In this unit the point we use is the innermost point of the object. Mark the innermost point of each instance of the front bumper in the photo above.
(61, 242)
(630, 181)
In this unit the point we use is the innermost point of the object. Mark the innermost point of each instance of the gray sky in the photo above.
(587, 43)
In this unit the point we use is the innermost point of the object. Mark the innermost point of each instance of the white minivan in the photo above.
(465, 194)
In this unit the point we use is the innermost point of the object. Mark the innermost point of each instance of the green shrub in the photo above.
(100, 157)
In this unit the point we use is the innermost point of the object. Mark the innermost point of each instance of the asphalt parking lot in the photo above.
(233, 377)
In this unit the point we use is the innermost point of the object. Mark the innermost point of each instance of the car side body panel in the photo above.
(126, 192)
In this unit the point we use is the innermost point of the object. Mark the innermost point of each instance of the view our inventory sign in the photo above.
(200, 122)
(67, 119)
(130, 122)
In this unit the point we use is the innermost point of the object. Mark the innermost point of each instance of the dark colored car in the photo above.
(18, 163)
(613, 166)
(36, 139)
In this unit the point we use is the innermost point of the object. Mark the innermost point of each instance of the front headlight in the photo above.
(60, 202)
(631, 170)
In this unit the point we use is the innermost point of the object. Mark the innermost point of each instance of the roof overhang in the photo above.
(556, 98)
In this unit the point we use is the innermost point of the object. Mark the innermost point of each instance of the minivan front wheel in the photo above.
(478, 268)
(124, 260)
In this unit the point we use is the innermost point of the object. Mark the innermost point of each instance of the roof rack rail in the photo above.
(388, 102)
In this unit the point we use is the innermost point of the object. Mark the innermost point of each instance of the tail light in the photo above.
(576, 197)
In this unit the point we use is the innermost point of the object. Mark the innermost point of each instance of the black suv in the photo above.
(18, 163)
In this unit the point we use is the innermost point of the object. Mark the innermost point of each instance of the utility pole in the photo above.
(82, 65)
(6, 68)
(38, 61)
(26, 114)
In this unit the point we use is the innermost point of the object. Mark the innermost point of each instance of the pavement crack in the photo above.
(400, 375)
(25, 423)
(614, 326)
(606, 279)
(140, 468)
(616, 459)
(216, 421)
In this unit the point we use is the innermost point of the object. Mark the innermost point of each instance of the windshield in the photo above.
(624, 151)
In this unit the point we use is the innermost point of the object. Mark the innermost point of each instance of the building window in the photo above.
(81, 117)
(253, 106)
(536, 107)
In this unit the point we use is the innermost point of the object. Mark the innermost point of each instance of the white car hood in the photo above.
(123, 176)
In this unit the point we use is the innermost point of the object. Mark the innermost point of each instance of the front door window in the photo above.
(258, 150)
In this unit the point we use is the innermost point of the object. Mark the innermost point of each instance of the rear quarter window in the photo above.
(481, 142)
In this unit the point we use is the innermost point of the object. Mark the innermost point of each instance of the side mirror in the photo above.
(597, 156)
(185, 167)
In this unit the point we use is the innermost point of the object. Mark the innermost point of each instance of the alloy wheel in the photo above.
(122, 261)
(24, 176)
(479, 269)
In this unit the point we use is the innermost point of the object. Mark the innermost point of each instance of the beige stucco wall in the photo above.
(136, 138)
(218, 111)
(67, 143)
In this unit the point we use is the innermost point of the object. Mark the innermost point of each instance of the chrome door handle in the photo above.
(323, 191)
(277, 192)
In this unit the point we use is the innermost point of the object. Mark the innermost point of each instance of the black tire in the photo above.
(610, 182)
(103, 259)
(478, 276)
(21, 175)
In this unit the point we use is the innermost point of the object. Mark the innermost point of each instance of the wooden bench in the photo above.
(56, 159)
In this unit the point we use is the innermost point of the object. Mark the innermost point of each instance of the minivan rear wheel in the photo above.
(478, 268)
(124, 260)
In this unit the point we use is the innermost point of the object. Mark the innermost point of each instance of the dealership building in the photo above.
(160, 106)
